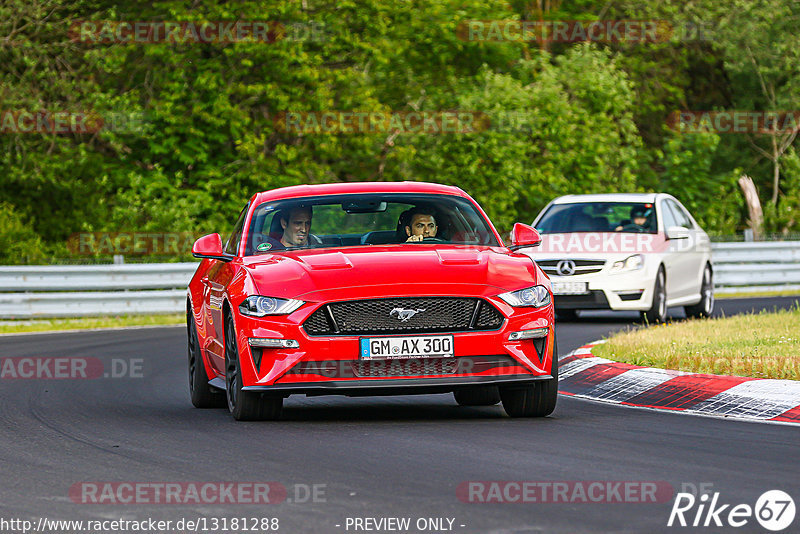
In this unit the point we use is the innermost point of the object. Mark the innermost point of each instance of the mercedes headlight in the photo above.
(631, 263)
(536, 296)
(258, 306)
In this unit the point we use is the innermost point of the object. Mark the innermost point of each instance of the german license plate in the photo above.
(387, 348)
(570, 288)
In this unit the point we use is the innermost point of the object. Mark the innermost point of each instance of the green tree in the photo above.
(763, 61)
(688, 172)
(19, 244)
(558, 127)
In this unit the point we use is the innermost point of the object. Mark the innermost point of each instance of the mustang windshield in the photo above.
(365, 219)
(634, 217)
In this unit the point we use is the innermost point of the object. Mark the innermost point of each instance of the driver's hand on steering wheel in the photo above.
(415, 238)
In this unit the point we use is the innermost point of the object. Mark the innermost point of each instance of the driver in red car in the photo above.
(296, 227)
(422, 224)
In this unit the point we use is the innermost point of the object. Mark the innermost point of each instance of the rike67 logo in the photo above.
(774, 510)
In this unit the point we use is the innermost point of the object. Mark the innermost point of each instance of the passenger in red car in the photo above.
(422, 224)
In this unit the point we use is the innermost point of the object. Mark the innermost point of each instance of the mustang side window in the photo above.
(232, 245)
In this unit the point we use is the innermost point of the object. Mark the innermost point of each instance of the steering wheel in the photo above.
(433, 240)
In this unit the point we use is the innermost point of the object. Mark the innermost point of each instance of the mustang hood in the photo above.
(389, 271)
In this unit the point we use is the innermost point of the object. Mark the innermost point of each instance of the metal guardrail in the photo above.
(96, 277)
(69, 291)
(84, 304)
(756, 266)
(77, 291)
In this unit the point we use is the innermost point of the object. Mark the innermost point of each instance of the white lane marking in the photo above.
(756, 401)
(629, 384)
(759, 399)
(577, 365)
(581, 351)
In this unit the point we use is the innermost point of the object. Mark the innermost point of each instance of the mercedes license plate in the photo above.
(570, 288)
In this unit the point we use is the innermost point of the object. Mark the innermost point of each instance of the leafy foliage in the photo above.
(196, 129)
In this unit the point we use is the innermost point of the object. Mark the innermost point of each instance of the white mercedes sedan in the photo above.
(635, 252)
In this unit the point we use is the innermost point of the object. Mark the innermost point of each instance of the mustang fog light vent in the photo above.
(272, 343)
(528, 334)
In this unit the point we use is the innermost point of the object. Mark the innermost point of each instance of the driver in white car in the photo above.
(640, 220)
(422, 224)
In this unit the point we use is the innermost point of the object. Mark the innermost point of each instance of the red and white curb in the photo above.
(581, 374)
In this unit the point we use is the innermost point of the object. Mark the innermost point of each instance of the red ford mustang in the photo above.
(369, 289)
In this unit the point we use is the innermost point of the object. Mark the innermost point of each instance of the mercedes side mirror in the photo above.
(677, 232)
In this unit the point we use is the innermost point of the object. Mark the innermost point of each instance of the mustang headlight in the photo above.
(258, 306)
(536, 296)
(631, 263)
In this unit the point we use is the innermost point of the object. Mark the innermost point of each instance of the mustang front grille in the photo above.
(414, 315)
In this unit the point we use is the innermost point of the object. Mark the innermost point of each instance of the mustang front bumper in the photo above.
(331, 364)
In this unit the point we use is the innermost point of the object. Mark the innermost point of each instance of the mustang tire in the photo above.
(244, 405)
(538, 400)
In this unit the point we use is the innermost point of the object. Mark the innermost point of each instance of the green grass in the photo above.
(760, 345)
(758, 294)
(47, 325)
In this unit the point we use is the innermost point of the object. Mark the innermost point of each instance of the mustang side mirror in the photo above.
(210, 247)
(523, 236)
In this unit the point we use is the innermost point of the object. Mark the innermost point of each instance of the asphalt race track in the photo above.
(370, 457)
